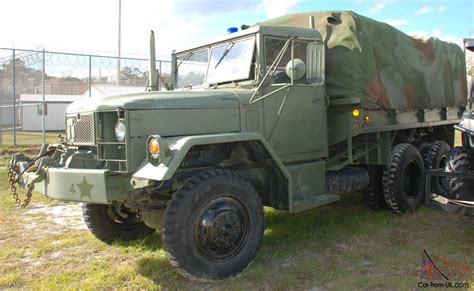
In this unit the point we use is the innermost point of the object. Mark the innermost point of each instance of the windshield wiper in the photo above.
(229, 46)
(186, 57)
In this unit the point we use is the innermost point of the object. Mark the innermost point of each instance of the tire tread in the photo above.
(182, 198)
(393, 196)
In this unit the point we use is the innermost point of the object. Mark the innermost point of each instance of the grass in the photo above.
(335, 246)
(338, 246)
(28, 142)
(28, 138)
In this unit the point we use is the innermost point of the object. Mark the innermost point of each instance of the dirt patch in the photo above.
(64, 216)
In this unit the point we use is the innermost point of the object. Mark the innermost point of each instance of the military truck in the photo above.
(289, 114)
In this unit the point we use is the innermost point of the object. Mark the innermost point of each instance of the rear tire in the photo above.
(114, 222)
(404, 179)
(422, 147)
(459, 162)
(436, 157)
(374, 193)
(213, 225)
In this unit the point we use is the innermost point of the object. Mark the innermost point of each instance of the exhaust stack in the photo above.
(311, 22)
(153, 76)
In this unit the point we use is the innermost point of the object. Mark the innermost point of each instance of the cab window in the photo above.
(273, 46)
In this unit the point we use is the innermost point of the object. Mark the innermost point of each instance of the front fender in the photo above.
(179, 147)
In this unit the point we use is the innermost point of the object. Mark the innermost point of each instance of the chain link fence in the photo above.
(36, 86)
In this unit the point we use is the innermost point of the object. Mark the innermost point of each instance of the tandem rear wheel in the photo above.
(400, 184)
(435, 157)
(404, 179)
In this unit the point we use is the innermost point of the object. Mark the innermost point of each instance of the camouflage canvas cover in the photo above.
(382, 65)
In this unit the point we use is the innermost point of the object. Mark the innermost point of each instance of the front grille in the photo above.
(80, 129)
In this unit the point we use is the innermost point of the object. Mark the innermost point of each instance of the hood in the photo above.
(211, 99)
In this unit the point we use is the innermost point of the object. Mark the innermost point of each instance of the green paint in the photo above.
(85, 188)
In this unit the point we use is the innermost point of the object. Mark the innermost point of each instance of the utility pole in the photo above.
(14, 97)
(43, 103)
(119, 40)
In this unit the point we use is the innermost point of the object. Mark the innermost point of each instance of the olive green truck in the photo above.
(290, 113)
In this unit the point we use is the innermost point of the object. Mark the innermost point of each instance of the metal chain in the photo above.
(12, 180)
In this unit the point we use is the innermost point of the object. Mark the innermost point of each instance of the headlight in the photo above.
(120, 131)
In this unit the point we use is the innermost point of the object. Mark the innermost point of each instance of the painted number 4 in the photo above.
(71, 189)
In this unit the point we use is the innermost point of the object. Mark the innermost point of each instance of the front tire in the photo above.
(213, 225)
(114, 222)
(404, 179)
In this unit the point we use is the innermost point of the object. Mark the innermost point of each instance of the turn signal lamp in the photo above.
(154, 148)
(356, 112)
(366, 120)
(159, 151)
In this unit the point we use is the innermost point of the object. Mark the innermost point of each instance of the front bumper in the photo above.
(57, 181)
(80, 185)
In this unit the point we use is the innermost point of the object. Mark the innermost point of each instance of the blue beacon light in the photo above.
(232, 30)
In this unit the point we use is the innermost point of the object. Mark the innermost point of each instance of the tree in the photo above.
(133, 76)
(26, 78)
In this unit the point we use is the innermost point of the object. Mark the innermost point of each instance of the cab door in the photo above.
(295, 110)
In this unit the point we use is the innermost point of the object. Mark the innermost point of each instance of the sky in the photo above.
(91, 26)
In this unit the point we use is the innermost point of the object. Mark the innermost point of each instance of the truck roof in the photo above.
(276, 30)
(383, 66)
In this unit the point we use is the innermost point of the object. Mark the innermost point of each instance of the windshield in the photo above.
(192, 68)
(225, 62)
(230, 61)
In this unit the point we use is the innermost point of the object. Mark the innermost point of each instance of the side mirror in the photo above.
(315, 63)
(297, 71)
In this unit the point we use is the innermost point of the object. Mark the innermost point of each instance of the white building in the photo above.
(31, 113)
(56, 105)
(98, 90)
(6, 114)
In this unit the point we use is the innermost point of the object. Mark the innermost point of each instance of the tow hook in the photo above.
(17, 166)
(12, 181)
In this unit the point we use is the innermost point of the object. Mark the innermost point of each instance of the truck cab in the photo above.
(258, 64)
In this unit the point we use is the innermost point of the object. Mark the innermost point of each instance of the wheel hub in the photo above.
(221, 228)
(411, 180)
(122, 216)
(116, 213)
